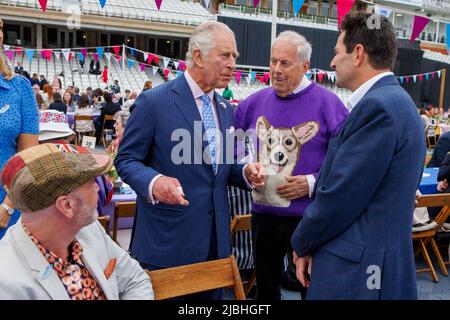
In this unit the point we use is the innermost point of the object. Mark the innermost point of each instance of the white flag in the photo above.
(176, 63)
(6, 47)
(155, 70)
(66, 53)
(207, 3)
(439, 73)
(145, 57)
(166, 62)
(108, 56)
(248, 78)
(57, 55)
(414, 78)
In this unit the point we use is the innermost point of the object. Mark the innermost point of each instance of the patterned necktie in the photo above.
(210, 127)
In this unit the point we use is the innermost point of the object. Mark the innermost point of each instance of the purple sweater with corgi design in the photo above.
(312, 104)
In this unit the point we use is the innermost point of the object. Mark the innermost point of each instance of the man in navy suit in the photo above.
(354, 241)
(182, 204)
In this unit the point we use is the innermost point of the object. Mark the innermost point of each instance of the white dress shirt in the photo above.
(359, 93)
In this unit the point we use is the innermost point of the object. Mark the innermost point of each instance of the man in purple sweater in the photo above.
(293, 120)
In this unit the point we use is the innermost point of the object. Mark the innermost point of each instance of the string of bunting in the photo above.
(43, 4)
(177, 67)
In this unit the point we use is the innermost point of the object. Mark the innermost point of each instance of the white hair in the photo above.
(304, 49)
(203, 38)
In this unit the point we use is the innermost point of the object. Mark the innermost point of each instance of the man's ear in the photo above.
(66, 206)
(359, 55)
(197, 57)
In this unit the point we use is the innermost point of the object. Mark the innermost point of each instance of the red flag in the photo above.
(420, 77)
(70, 56)
(320, 75)
(343, 7)
(166, 72)
(266, 77)
(150, 58)
(43, 4)
(156, 59)
(116, 50)
(19, 51)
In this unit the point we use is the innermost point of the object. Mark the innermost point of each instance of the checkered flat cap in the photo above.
(35, 177)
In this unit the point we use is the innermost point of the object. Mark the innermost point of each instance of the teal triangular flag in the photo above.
(30, 54)
(81, 56)
(100, 51)
(297, 5)
(130, 63)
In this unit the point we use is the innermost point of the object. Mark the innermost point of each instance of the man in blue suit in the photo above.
(354, 241)
(181, 178)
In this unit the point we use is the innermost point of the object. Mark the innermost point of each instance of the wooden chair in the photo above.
(102, 132)
(428, 236)
(122, 210)
(198, 277)
(78, 118)
(104, 221)
(243, 223)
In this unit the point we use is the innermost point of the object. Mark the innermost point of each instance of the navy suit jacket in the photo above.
(170, 235)
(358, 228)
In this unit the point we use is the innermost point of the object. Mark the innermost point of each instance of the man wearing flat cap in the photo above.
(57, 250)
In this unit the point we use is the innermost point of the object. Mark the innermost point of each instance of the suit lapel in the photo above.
(223, 124)
(41, 270)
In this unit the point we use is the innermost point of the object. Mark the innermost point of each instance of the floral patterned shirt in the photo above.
(76, 278)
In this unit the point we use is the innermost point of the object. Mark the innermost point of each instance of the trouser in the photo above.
(216, 294)
(272, 241)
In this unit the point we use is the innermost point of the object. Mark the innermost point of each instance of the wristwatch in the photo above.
(9, 210)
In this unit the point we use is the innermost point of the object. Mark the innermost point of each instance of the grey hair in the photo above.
(304, 48)
(124, 115)
(203, 38)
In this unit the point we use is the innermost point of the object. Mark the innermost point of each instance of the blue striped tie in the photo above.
(210, 127)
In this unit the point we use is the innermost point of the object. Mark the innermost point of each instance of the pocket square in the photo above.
(223, 104)
(110, 268)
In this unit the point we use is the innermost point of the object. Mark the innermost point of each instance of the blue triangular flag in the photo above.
(102, 3)
(30, 54)
(447, 29)
(253, 75)
(81, 56)
(427, 76)
(297, 5)
(130, 63)
(401, 80)
(132, 52)
(308, 74)
(100, 51)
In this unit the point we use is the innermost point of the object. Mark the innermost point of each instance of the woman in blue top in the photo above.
(19, 127)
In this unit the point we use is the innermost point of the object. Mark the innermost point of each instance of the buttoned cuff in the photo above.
(311, 181)
(150, 190)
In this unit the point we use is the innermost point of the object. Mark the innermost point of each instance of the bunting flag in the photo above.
(401, 80)
(179, 73)
(10, 54)
(150, 58)
(130, 63)
(95, 55)
(308, 74)
(266, 77)
(81, 56)
(132, 52)
(176, 64)
(30, 54)
(100, 51)
(102, 4)
(158, 4)
(155, 70)
(118, 57)
(166, 62)
(70, 56)
(207, 2)
(420, 77)
(166, 72)
(156, 59)
(407, 79)
(248, 79)
(447, 28)
(6, 47)
(108, 56)
(47, 54)
(238, 76)
(297, 5)
(142, 66)
(43, 4)
(253, 75)
(414, 79)
(255, 3)
(439, 73)
(66, 53)
(84, 53)
(57, 55)
(145, 56)
(182, 66)
(320, 76)
(419, 24)
(18, 51)
(116, 50)
(343, 7)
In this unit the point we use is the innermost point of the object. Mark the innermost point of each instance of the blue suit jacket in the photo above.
(358, 228)
(171, 235)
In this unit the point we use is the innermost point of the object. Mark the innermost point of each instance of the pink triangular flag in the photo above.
(158, 3)
(419, 24)
(116, 49)
(420, 77)
(182, 66)
(19, 51)
(266, 77)
(84, 52)
(95, 56)
(142, 66)
(43, 4)
(10, 54)
(320, 76)
(150, 58)
(47, 54)
(407, 79)
(70, 56)
(343, 7)
(166, 72)
(238, 76)
(255, 3)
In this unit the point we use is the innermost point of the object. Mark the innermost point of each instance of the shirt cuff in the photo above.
(311, 181)
(245, 178)
(150, 190)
